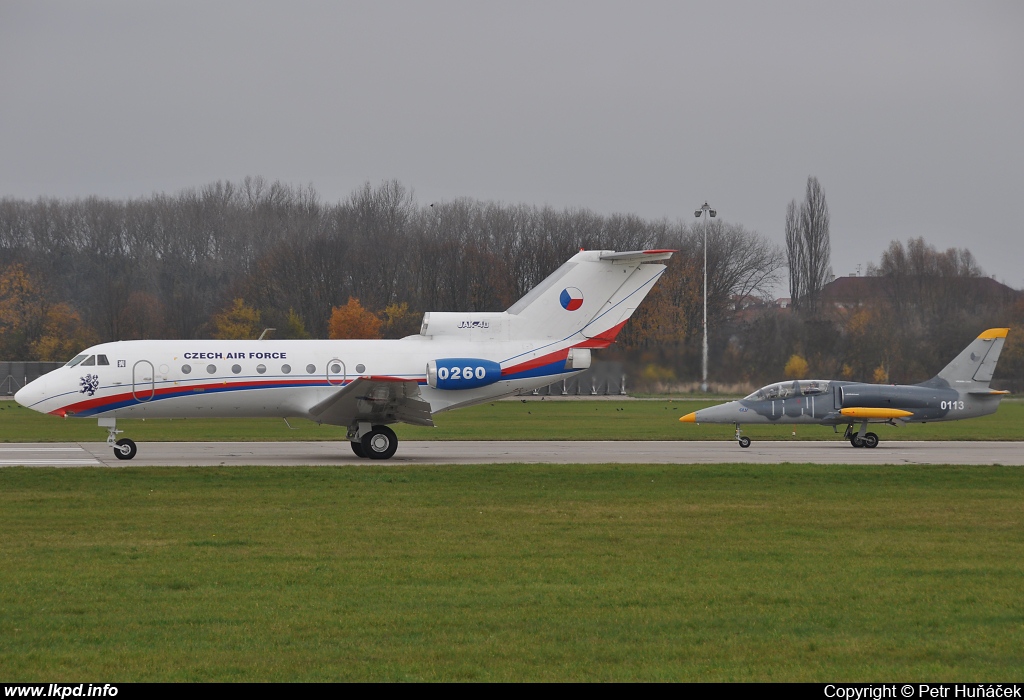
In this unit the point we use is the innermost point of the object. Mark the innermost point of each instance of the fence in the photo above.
(602, 379)
(14, 375)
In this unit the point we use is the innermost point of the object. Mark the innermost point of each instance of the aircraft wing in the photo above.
(378, 400)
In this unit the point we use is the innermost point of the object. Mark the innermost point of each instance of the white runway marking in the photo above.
(4, 450)
(39, 456)
(50, 463)
(682, 453)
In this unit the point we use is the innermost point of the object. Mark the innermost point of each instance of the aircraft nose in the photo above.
(29, 394)
(722, 413)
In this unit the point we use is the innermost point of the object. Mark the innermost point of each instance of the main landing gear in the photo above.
(373, 442)
(123, 448)
(861, 438)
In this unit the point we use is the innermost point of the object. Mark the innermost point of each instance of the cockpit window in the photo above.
(102, 360)
(75, 360)
(787, 390)
(813, 387)
(89, 362)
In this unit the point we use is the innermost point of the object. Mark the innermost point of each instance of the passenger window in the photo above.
(102, 360)
(286, 369)
(311, 369)
(236, 368)
(186, 369)
(261, 368)
(89, 362)
(211, 368)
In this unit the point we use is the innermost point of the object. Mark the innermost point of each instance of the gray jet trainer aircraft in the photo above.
(961, 390)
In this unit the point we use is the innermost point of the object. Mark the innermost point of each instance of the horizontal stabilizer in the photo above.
(639, 255)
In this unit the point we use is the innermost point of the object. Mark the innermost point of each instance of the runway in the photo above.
(294, 454)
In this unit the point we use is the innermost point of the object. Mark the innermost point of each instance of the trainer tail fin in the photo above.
(977, 362)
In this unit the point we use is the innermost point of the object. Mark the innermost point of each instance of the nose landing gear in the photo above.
(743, 440)
(123, 448)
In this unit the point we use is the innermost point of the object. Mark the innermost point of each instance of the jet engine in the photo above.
(462, 373)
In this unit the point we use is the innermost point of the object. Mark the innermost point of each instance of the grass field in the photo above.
(510, 572)
(502, 420)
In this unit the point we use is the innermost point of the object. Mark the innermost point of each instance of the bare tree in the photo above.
(814, 222)
(796, 254)
(808, 248)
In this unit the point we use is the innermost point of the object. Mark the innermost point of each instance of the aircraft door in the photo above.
(335, 372)
(143, 381)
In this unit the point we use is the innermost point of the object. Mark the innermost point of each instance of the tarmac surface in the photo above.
(294, 454)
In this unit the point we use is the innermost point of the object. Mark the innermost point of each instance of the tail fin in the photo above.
(594, 294)
(976, 363)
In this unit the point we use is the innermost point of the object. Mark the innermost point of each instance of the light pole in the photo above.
(706, 212)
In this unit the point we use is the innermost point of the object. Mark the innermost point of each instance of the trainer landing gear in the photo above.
(861, 438)
(743, 440)
(123, 448)
(376, 442)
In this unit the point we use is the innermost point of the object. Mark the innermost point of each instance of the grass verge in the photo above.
(512, 572)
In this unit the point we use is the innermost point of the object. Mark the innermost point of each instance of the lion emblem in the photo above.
(89, 383)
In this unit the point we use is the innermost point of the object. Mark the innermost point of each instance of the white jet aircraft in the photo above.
(458, 359)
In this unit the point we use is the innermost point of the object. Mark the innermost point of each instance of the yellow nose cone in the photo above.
(689, 418)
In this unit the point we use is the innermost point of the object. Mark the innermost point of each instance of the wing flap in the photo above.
(378, 400)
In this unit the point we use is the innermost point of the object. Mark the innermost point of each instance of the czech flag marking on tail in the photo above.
(571, 298)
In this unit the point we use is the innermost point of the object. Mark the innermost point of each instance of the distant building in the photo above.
(853, 291)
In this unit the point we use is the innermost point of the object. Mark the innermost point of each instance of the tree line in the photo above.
(227, 257)
(231, 258)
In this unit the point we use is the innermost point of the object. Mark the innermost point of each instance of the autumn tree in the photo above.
(399, 321)
(21, 312)
(294, 327)
(662, 322)
(796, 368)
(353, 321)
(63, 335)
(239, 322)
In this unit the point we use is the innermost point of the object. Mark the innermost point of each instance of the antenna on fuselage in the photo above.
(264, 333)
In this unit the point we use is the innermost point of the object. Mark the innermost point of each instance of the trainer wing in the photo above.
(378, 400)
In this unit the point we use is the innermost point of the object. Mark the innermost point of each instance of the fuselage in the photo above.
(282, 378)
(824, 402)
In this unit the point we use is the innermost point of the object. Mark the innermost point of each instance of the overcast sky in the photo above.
(911, 114)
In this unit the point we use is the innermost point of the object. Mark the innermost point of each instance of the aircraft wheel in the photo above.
(744, 442)
(870, 440)
(357, 448)
(125, 449)
(380, 443)
(856, 441)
